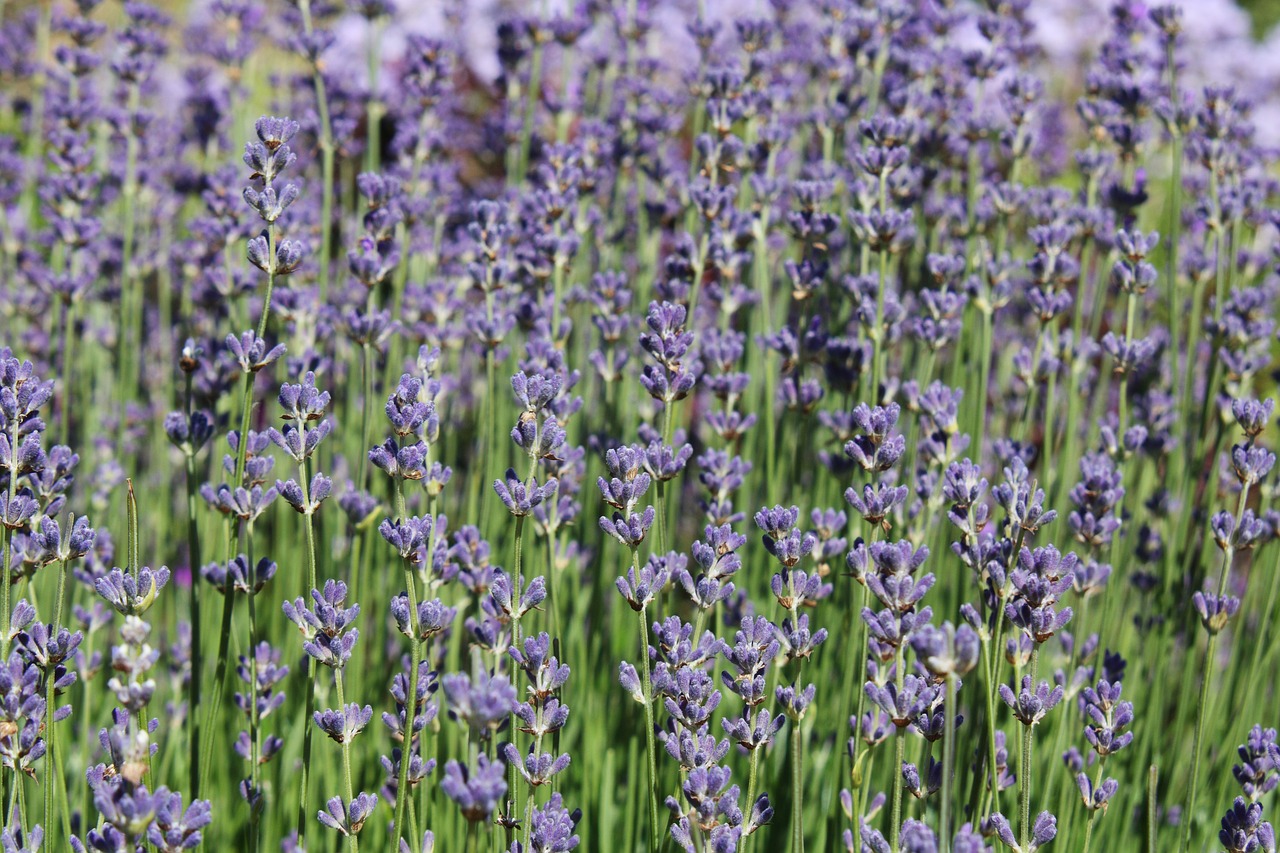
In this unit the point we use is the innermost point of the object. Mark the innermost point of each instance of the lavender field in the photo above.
(624, 425)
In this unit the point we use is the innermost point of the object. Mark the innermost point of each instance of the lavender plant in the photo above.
(1005, 287)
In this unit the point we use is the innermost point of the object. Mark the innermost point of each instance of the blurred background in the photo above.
(1265, 14)
(1226, 42)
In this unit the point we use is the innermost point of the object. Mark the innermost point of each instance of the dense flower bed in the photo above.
(848, 431)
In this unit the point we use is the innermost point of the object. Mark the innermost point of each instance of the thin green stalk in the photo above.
(1153, 777)
(309, 704)
(993, 682)
(8, 548)
(651, 748)
(197, 636)
(797, 786)
(948, 761)
(752, 781)
(68, 354)
(1093, 813)
(20, 791)
(1025, 769)
(899, 664)
(1188, 816)
(255, 729)
(219, 682)
(1202, 703)
(366, 404)
(411, 696)
(304, 785)
(1175, 224)
(346, 758)
(1264, 642)
(53, 756)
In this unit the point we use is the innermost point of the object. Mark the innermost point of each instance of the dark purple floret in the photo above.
(1259, 770)
(1244, 830)
(1031, 703)
(348, 818)
(1215, 610)
(344, 724)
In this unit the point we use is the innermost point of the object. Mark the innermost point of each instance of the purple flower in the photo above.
(483, 704)
(947, 650)
(1031, 703)
(552, 827)
(1043, 830)
(345, 723)
(520, 498)
(173, 830)
(1099, 798)
(348, 819)
(1259, 770)
(1215, 610)
(476, 791)
(640, 590)
(132, 595)
(1244, 830)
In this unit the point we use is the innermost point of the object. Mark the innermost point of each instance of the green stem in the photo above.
(411, 696)
(197, 636)
(346, 758)
(1188, 813)
(366, 404)
(797, 787)
(1093, 813)
(1025, 769)
(651, 748)
(255, 729)
(8, 547)
(1153, 777)
(219, 682)
(308, 705)
(948, 761)
(54, 757)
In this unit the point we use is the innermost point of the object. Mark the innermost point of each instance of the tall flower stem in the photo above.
(1153, 777)
(899, 664)
(366, 403)
(513, 773)
(134, 566)
(54, 757)
(1175, 224)
(255, 730)
(948, 762)
(899, 752)
(1093, 813)
(411, 694)
(797, 777)
(1025, 808)
(197, 636)
(752, 782)
(219, 681)
(1202, 703)
(304, 791)
(651, 747)
(348, 788)
(8, 547)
